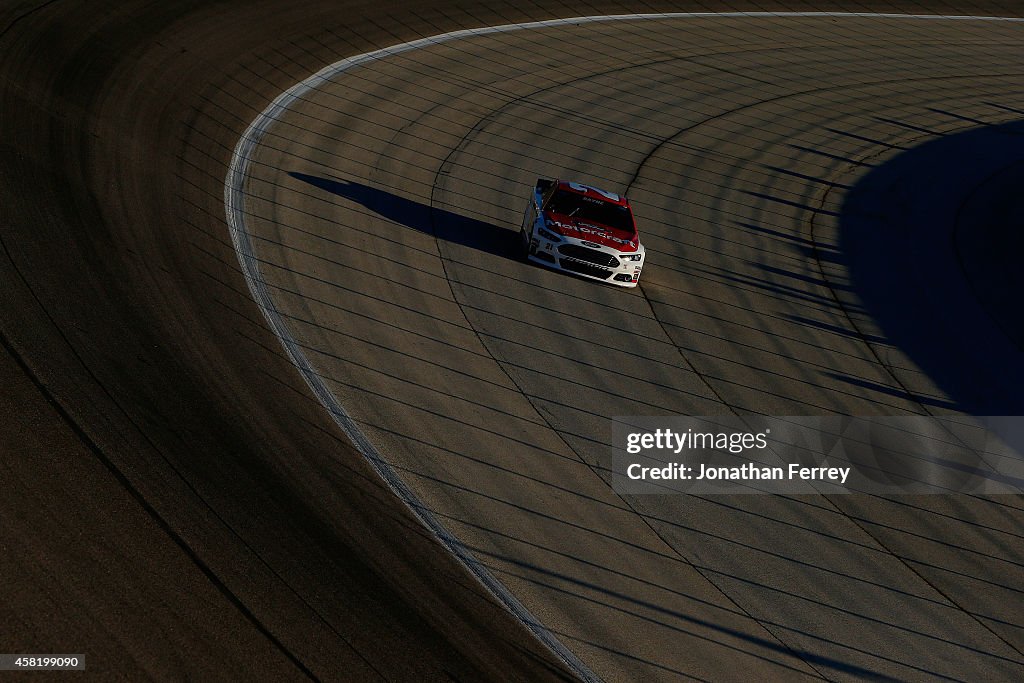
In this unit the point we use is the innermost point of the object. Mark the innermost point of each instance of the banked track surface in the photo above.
(266, 542)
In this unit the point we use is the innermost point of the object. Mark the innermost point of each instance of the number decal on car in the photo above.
(583, 188)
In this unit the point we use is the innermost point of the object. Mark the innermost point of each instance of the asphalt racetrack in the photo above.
(295, 408)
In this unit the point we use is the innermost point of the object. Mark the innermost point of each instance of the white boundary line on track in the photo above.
(234, 200)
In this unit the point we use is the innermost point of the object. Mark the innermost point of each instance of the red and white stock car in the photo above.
(583, 230)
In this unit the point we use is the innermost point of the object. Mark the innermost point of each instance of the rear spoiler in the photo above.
(543, 184)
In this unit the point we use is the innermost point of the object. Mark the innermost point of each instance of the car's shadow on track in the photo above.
(440, 223)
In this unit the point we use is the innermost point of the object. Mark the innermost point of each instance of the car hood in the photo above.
(591, 231)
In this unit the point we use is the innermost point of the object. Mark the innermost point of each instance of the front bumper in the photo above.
(587, 260)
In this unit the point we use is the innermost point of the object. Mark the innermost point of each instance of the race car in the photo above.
(583, 230)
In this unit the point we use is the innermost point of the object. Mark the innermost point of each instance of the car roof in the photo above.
(593, 192)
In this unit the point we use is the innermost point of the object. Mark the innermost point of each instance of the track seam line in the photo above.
(25, 15)
(234, 197)
(502, 365)
(824, 196)
(733, 410)
(146, 506)
(828, 283)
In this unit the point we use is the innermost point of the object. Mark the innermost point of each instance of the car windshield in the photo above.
(585, 208)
